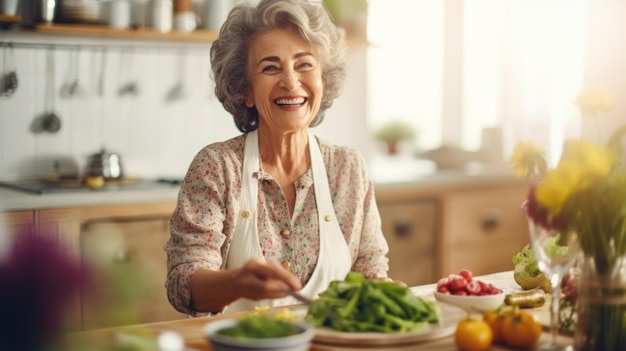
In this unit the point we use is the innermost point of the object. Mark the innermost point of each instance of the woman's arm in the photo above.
(202, 222)
(258, 279)
(372, 258)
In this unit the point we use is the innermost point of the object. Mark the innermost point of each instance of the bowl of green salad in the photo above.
(258, 332)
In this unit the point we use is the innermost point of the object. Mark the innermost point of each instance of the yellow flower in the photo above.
(582, 163)
(557, 187)
(528, 158)
(595, 101)
(595, 160)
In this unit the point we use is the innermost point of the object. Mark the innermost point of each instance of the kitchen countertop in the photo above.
(11, 200)
(445, 178)
(388, 174)
(402, 170)
(393, 173)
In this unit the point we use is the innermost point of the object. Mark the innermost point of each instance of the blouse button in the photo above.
(285, 232)
(328, 218)
(245, 214)
(287, 264)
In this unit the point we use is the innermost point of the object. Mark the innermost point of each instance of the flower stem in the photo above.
(598, 129)
(555, 281)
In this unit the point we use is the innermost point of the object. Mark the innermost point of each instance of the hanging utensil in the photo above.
(8, 80)
(72, 87)
(178, 91)
(102, 72)
(129, 87)
(51, 121)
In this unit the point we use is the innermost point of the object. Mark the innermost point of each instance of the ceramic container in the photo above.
(297, 342)
(472, 303)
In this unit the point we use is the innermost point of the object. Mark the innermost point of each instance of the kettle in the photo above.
(105, 164)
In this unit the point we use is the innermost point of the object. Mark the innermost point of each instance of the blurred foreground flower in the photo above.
(38, 280)
(595, 102)
(528, 159)
(585, 195)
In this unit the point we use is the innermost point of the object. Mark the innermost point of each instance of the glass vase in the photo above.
(601, 304)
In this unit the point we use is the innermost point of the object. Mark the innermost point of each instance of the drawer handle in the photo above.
(491, 222)
(122, 255)
(402, 229)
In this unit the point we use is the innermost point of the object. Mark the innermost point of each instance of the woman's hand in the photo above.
(385, 278)
(263, 279)
(258, 279)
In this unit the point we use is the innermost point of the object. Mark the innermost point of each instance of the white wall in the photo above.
(605, 61)
(154, 136)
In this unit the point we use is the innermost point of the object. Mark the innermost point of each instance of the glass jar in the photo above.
(601, 305)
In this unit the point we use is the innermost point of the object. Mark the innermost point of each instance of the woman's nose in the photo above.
(290, 79)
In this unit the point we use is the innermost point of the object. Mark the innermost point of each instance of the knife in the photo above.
(296, 295)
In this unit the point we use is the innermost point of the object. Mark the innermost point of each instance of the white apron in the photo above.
(333, 262)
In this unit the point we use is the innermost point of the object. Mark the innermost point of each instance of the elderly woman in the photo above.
(274, 209)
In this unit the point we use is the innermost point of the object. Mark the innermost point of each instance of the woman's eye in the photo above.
(270, 70)
(305, 66)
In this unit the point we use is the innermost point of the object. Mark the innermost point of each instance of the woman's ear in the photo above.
(249, 99)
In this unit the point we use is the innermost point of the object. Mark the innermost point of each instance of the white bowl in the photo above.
(297, 342)
(472, 303)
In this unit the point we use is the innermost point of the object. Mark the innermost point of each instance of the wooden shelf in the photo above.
(198, 36)
(10, 19)
(7, 22)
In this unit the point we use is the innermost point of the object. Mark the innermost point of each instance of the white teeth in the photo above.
(295, 101)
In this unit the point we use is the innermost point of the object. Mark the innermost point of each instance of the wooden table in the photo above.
(191, 329)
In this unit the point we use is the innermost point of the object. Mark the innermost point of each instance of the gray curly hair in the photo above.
(229, 53)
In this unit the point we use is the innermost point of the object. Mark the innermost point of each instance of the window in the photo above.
(460, 70)
(405, 65)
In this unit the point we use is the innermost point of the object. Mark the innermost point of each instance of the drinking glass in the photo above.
(555, 254)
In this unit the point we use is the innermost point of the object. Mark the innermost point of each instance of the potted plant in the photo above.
(393, 132)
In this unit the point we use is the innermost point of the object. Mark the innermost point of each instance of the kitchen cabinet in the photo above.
(435, 231)
(122, 248)
(410, 228)
(483, 228)
(128, 252)
(18, 221)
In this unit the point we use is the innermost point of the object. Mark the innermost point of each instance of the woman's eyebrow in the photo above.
(277, 59)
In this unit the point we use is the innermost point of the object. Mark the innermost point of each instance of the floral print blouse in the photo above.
(204, 220)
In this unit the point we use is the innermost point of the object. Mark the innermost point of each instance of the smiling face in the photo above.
(285, 81)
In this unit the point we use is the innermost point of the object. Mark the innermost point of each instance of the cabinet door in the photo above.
(130, 269)
(483, 229)
(409, 227)
(18, 221)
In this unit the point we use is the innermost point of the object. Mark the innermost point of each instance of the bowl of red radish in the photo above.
(471, 294)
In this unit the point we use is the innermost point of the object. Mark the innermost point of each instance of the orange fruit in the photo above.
(473, 335)
(520, 329)
(495, 319)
